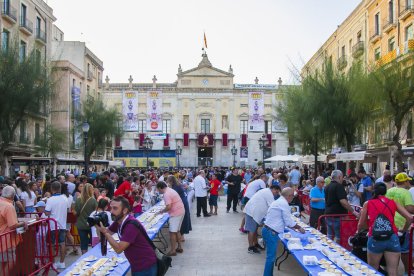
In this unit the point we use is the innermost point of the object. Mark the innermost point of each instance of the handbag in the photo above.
(163, 261)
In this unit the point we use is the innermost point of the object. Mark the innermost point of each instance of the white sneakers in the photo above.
(59, 265)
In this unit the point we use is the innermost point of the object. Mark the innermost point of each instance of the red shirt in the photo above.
(125, 186)
(214, 186)
(375, 207)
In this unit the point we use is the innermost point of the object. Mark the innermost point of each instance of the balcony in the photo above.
(407, 47)
(26, 26)
(358, 49)
(406, 12)
(375, 37)
(8, 12)
(90, 75)
(390, 56)
(341, 62)
(389, 25)
(40, 36)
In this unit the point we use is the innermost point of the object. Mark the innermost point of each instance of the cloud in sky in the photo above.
(262, 38)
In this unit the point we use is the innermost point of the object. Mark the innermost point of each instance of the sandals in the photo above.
(179, 250)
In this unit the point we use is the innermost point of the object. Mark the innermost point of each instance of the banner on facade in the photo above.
(256, 112)
(154, 111)
(130, 110)
(77, 124)
(279, 126)
(244, 153)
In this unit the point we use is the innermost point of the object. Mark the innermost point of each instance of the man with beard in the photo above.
(137, 249)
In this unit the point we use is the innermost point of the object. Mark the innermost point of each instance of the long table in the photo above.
(123, 268)
(298, 254)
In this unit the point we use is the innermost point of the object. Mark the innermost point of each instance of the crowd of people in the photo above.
(266, 198)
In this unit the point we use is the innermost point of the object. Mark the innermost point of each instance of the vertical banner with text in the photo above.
(77, 123)
(154, 111)
(130, 110)
(256, 112)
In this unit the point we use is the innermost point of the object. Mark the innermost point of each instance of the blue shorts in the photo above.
(379, 247)
(405, 246)
(212, 201)
(61, 233)
(250, 225)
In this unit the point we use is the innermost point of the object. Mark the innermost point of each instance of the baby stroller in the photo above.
(359, 248)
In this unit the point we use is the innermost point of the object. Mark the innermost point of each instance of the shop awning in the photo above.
(283, 158)
(26, 160)
(351, 156)
(310, 159)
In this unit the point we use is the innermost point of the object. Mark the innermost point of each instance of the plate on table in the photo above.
(90, 259)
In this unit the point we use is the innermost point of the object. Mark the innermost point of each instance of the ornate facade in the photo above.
(204, 113)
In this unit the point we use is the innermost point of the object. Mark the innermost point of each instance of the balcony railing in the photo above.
(408, 46)
(358, 49)
(90, 75)
(406, 12)
(8, 12)
(40, 35)
(26, 25)
(342, 62)
(389, 25)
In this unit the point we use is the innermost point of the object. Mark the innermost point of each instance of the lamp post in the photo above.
(85, 129)
(178, 152)
(234, 153)
(315, 124)
(262, 145)
(148, 143)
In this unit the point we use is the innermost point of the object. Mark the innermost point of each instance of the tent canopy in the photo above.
(284, 158)
(310, 159)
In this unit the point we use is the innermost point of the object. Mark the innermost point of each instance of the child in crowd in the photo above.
(102, 204)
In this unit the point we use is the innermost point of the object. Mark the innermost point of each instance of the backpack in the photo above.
(382, 226)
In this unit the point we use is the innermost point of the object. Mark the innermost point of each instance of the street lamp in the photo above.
(85, 129)
(315, 124)
(148, 143)
(234, 153)
(178, 152)
(262, 145)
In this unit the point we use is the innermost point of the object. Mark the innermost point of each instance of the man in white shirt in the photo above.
(277, 218)
(57, 208)
(200, 188)
(70, 178)
(255, 211)
(384, 173)
(254, 186)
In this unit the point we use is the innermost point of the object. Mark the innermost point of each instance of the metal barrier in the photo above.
(410, 252)
(347, 227)
(34, 247)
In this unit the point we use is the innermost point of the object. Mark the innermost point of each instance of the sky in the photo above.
(266, 39)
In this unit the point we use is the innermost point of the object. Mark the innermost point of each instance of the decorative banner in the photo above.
(77, 124)
(279, 126)
(256, 112)
(244, 152)
(130, 110)
(154, 111)
(158, 162)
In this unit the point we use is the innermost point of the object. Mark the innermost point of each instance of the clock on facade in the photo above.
(205, 82)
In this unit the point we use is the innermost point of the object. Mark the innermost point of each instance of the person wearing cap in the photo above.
(388, 247)
(402, 196)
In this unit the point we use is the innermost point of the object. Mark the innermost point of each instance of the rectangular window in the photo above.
(359, 35)
(38, 58)
(23, 135)
(6, 6)
(5, 38)
(142, 126)
(409, 33)
(23, 14)
(22, 51)
(350, 46)
(391, 44)
(244, 124)
(185, 82)
(166, 126)
(377, 53)
(376, 24)
(186, 121)
(268, 127)
(38, 26)
(224, 121)
(343, 51)
(391, 11)
(205, 125)
(37, 133)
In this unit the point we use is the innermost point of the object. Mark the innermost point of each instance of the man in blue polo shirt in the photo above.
(317, 201)
(365, 185)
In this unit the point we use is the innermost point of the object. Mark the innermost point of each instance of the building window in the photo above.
(142, 126)
(205, 125)
(350, 46)
(409, 33)
(224, 82)
(343, 51)
(391, 11)
(23, 13)
(38, 26)
(166, 126)
(6, 6)
(186, 121)
(5, 38)
(268, 127)
(22, 51)
(23, 134)
(37, 133)
(376, 24)
(225, 122)
(359, 35)
(185, 82)
(377, 53)
(244, 124)
(391, 44)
